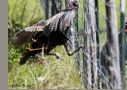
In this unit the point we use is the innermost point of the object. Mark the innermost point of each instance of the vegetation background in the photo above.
(56, 74)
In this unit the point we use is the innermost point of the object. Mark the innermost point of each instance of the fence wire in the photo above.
(89, 67)
(104, 71)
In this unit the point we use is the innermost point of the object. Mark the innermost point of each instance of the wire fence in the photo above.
(96, 69)
(91, 29)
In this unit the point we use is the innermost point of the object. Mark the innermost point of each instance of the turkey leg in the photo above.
(66, 45)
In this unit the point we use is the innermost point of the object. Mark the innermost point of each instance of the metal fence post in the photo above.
(47, 9)
(123, 43)
(59, 5)
(77, 38)
(98, 42)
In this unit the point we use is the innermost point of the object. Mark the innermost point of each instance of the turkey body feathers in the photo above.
(45, 34)
(65, 16)
(48, 42)
(60, 22)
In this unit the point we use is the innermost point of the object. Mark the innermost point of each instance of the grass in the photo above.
(56, 74)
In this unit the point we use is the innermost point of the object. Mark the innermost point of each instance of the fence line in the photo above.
(80, 34)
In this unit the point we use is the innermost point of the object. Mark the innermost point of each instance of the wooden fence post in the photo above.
(90, 47)
(113, 47)
(86, 60)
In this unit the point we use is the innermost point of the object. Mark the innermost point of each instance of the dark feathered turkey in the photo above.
(47, 34)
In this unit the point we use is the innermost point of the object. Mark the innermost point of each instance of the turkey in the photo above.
(48, 34)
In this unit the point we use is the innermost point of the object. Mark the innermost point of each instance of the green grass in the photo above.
(57, 74)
